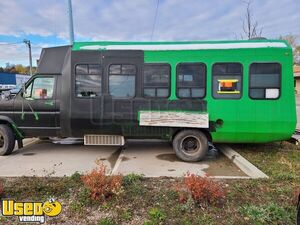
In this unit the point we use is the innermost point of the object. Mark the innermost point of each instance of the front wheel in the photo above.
(190, 145)
(7, 140)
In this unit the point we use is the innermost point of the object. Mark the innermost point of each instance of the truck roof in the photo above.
(180, 45)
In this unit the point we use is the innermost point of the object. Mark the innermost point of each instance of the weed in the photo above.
(188, 205)
(76, 207)
(83, 196)
(265, 214)
(172, 194)
(157, 216)
(285, 176)
(126, 215)
(105, 206)
(205, 219)
(101, 186)
(76, 177)
(132, 178)
(136, 189)
(106, 221)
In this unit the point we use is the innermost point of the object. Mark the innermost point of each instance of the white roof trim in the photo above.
(165, 47)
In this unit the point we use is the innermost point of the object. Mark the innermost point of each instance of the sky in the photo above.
(45, 22)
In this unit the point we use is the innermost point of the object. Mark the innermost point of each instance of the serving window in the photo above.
(191, 80)
(265, 79)
(227, 80)
(88, 80)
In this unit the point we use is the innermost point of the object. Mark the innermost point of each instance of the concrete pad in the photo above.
(48, 159)
(148, 157)
(156, 159)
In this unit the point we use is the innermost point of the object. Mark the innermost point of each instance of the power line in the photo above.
(155, 18)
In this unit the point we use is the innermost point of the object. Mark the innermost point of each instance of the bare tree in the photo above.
(292, 40)
(250, 26)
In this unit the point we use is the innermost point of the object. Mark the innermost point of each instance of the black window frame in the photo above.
(212, 80)
(205, 80)
(114, 74)
(155, 87)
(280, 82)
(87, 74)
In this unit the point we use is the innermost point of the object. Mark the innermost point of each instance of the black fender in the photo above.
(11, 123)
(6, 119)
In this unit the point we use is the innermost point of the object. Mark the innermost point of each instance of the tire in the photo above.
(190, 145)
(7, 140)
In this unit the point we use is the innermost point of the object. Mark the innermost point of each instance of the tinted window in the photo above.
(156, 80)
(88, 80)
(264, 81)
(122, 80)
(82, 69)
(94, 69)
(191, 79)
(227, 80)
(40, 88)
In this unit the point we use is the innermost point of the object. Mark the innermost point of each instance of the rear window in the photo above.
(265, 80)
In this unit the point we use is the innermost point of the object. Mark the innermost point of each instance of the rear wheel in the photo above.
(190, 145)
(7, 140)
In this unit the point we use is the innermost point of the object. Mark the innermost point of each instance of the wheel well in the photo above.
(205, 132)
(11, 127)
(5, 122)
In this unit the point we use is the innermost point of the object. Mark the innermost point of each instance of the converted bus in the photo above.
(189, 93)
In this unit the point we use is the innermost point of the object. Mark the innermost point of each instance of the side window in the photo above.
(40, 88)
(227, 80)
(265, 80)
(191, 80)
(156, 82)
(122, 80)
(88, 80)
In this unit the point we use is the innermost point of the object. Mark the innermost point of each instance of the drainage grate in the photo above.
(93, 139)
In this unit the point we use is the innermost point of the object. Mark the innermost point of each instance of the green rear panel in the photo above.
(245, 120)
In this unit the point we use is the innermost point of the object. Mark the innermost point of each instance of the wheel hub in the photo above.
(190, 144)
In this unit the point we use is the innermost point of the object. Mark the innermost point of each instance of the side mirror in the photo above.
(5, 95)
(23, 90)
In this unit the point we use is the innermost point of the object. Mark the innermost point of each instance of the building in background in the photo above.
(297, 79)
(10, 81)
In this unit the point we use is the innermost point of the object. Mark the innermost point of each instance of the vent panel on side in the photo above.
(93, 139)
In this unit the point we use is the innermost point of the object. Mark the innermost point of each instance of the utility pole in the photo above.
(71, 28)
(27, 42)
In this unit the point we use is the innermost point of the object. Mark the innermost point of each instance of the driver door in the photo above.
(36, 110)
